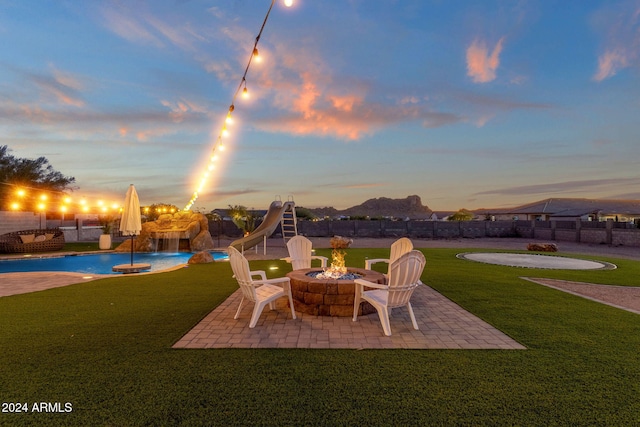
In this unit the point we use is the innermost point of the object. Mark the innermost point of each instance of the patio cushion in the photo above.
(27, 238)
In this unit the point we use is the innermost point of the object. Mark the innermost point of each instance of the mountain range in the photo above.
(409, 207)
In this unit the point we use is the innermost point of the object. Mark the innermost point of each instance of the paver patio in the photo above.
(443, 325)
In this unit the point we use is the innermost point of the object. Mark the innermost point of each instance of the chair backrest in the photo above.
(242, 273)
(300, 252)
(404, 277)
(399, 248)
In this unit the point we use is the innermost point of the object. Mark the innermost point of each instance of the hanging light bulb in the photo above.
(245, 93)
(224, 132)
(256, 55)
(288, 3)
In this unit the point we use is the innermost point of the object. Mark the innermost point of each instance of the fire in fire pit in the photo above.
(338, 269)
(327, 274)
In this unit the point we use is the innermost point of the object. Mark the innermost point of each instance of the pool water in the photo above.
(99, 263)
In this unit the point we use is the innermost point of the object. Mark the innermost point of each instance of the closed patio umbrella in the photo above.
(130, 223)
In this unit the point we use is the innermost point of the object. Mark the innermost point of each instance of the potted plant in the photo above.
(106, 223)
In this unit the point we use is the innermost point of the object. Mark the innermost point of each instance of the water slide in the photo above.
(266, 228)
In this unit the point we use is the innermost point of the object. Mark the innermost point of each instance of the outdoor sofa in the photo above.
(27, 241)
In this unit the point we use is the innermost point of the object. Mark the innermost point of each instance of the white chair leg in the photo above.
(383, 313)
(239, 308)
(293, 311)
(413, 317)
(356, 303)
(257, 310)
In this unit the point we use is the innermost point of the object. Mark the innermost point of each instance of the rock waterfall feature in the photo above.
(191, 230)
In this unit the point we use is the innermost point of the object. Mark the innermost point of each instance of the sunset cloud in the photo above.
(311, 100)
(138, 25)
(482, 64)
(620, 25)
(609, 63)
(57, 87)
(569, 187)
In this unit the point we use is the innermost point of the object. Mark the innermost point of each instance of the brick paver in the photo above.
(443, 325)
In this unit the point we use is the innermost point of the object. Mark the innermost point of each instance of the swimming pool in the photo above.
(99, 263)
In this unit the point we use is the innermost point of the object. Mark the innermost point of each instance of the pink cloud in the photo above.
(311, 101)
(620, 24)
(609, 63)
(482, 65)
(345, 103)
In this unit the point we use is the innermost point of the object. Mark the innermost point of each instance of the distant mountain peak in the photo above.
(409, 207)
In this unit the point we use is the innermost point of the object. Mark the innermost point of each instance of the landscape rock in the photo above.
(203, 257)
(542, 247)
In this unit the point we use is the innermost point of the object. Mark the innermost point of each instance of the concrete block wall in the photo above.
(543, 234)
(593, 235)
(566, 235)
(626, 237)
(15, 221)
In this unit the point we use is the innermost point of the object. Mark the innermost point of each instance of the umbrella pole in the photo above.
(131, 249)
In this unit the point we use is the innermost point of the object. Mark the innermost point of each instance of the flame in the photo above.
(338, 267)
(337, 261)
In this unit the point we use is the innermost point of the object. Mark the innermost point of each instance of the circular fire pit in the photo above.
(329, 297)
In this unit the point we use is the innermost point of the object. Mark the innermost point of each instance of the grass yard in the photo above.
(104, 347)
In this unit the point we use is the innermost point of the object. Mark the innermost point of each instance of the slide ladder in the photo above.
(289, 222)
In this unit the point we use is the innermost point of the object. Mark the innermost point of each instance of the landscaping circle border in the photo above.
(550, 262)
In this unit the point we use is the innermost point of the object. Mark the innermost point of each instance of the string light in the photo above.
(38, 199)
(256, 55)
(224, 132)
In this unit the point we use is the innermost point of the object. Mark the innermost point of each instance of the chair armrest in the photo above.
(368, 284)
(287, 259)
(272, 281)
(260, 273)
(323, 260)
(369, 262)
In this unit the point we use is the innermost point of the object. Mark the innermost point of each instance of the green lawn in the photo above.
(105, 348)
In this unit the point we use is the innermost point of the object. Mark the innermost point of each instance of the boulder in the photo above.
(542, 247)
(203, 241)
(203, 257)
(339, 242)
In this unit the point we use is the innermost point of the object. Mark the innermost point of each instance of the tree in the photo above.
(462, 215)
(304, 213)
(32, 174)
(244, 219)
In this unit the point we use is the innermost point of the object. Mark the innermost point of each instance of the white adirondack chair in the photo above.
(260, 292)
(301, 254)
(398, 248)
(404, 278)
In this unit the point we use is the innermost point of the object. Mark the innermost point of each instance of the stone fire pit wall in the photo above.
(329, 297)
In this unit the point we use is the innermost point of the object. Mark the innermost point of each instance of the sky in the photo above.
(467, 104)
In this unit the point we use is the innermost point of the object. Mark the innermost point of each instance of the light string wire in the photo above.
(219, 145)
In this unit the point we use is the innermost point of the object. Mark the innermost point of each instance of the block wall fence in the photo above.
(605, 232)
